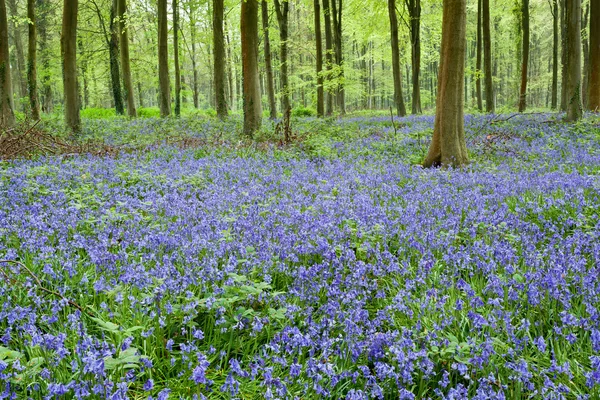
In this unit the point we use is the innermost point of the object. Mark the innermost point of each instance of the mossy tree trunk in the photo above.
(68, 45)
(7, 114)
(250, 76)
(219, 58)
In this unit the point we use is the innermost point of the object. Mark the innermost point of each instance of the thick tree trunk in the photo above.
(336, 10)
(176, 58)
(125, 61)
(21, 69)
(7, 114)
(478, 71)
(282, 11)
(594, 81)
(219, 59)
(487, 57)
(328, 55)
(34, 104)
(396, 70)
(268, 62)
(448, 146)
(163, 60)
(250, 76)
(319, 59)
(113, 52)
(525, 55)
(573, 83)
(554, 101)
(414, 11)
(68, 42)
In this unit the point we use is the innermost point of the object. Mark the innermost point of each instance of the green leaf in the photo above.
(8, 354)
(107, 326)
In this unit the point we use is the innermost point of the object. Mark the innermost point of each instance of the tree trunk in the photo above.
(176, 58)
(586, 58)
(396, 70)
(336, 10)
(563, 17)
(193, 56)
(282, 11)
(487, 57)
(573, 83)
(68, 46)
(32, 62)
(554, 9)
(478, 71)
(268, 63)
(219, 59)
(163, 60)
(448, 146)
(46, 90)
(250, 76)
(319, 59)
(7, 114)
(21, 69)
(230, 76)
(113, 51)
(525, 55)
(594, 81)
(328, 55)
(125, 62)
(414, 11)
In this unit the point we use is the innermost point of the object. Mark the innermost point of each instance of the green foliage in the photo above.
(303, 112)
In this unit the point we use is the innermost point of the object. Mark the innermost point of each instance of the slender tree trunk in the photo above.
(68, 42)
(448, 146)
(47, 102)
(554, 9)
(525, 55)
(328, 55)
(396, 69)
(319, 59)
(586, 58)
(487, 57)
(125, 62)
(268, 62)
(32, 62)
(219, 58)
(478, 71)
(250, 76)
(84, 98)
(113, 50)
(7, 114)
(336, 10)
(282, 11)
(230, 76)
(564, 61)
(414, 11)
(594, 82)
(573, 83)
(163, 60)
(21, 69)
(193, 57)
(176, 58)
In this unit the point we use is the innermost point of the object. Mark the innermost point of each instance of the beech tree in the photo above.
(176, 58)
(319, 59)
(554, 10)
(125, 59)
(594, 73)
(478, 71)
(163, 61)
(68, 42)
(487, 56)
(282, 11)
(219, 58)
(7, 115)
(525, 54)
(34, 104)
(268, 63)
(396, 70)
(448, 146)
(573, 78)
(414, 12)
(328, 54)
(250, 77)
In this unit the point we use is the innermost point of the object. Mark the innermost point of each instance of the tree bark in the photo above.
(250, 76)
(594, 74)
(176, 58)
(525, 55)
(414, 11)
(7, 114)
(564, 63)
(487, 57)
(113, 51)
(448, 146)
(336, 10)
(268, 62)
(319, 59)
(282, 11)
(396, 69)
(125, 61)
(219, 59)
(163, 60)
(21, 69)
(34, 104)
(554, 8)
(573, 83)
(195, 89)
(68, 42)
(328, 55)
(45, 79)
(478, 71)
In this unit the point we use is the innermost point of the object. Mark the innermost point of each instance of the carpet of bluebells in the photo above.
(334, 268)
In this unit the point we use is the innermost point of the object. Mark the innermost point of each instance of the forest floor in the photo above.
(188, 262)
